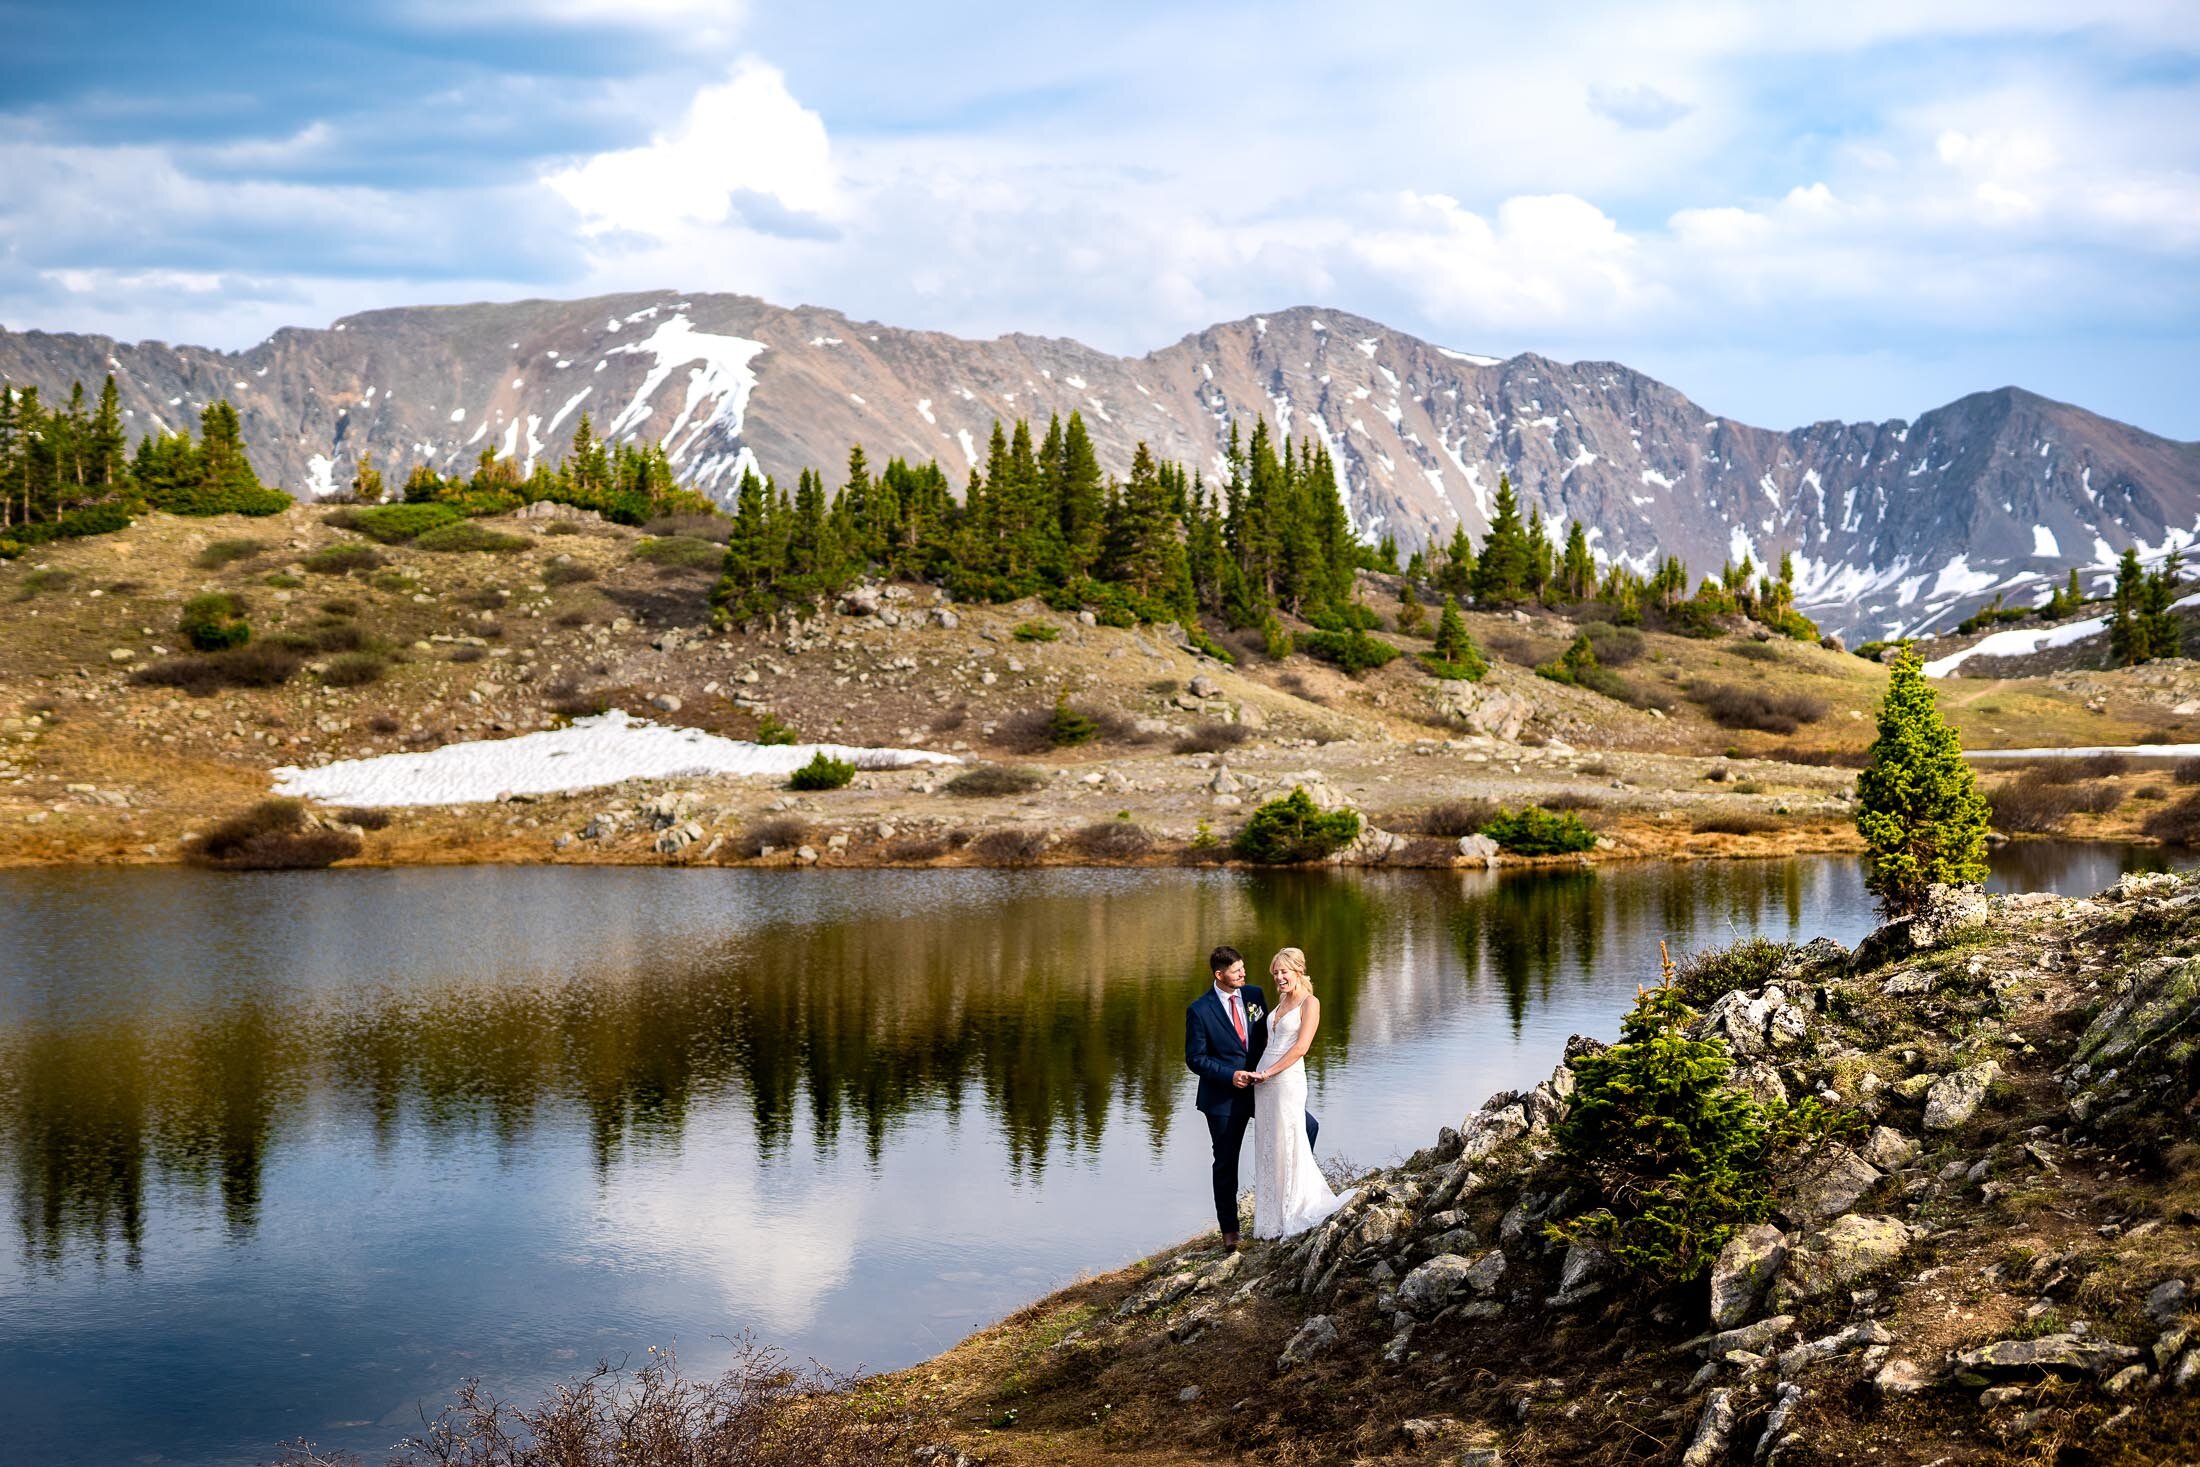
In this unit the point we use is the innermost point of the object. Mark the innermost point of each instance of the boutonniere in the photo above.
(1253, 1011)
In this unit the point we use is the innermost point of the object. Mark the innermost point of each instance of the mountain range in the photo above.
(1896, 527)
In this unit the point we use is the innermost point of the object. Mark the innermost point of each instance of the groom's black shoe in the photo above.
(1230, 1240)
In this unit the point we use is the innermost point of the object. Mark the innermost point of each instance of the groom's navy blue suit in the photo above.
(1214, 1053)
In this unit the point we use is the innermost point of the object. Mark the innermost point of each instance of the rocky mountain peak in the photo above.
(1895, 526)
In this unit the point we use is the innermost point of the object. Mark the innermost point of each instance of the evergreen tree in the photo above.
(1455, 576)
(108, 446)
(2158, 624)
(1501, 573)
(2128, 628)
(1577, 572)
(1143, 551)
(1081, 493)
(1918, 806)
(1455, 654)
(366, 481)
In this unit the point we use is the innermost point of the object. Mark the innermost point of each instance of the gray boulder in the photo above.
(2065, 1353)
(1435, 1284)
(1743, 1272)
(1955, 1098)
(1713, 1431)
(1314, 1337)
(1888, 1148)
(1830, 1185)
(1849, 1248)
(1945, 911)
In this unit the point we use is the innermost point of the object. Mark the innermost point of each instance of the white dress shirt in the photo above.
(1233, 1008)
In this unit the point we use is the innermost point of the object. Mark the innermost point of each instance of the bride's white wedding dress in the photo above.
(1289, 1192)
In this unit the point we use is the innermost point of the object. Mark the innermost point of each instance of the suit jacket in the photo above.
(1212, 1050)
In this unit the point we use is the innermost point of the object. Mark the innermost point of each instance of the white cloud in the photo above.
(746, 135)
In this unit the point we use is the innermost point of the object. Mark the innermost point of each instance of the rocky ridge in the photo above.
(1897, 526)
(1998, 1265)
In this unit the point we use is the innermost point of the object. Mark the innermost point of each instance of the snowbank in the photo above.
(2017, 644)
(594, 751)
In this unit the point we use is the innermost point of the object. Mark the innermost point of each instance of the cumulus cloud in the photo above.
(746, 136)
(1734, 180)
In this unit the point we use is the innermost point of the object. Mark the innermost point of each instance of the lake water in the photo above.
(294, 1154)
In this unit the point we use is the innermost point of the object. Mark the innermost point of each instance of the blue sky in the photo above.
(1791, 212)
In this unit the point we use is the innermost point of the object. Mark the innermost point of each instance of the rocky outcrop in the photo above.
(1841, 1322)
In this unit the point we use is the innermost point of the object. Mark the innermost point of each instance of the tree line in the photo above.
(1039, 517)
(67, 471)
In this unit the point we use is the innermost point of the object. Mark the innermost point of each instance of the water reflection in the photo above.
(623, 1106)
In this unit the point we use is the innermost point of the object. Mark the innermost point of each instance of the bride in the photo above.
(1289, 1192)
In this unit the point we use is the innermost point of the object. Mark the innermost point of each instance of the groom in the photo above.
(1225, 1030)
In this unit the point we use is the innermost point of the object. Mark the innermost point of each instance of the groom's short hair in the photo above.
(1222, 957)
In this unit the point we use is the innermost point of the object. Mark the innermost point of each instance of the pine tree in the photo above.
(1501, 573)
(1455, 576)
(2164, 638)
(1577, 572)
(1918, 805)
(2127, 629)
(1081, 493)
(1455, 654)
(108, 445)
(366, 481)
(11, 446)
(1142, 550)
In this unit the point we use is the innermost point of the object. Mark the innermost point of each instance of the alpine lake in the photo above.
(295, 1154)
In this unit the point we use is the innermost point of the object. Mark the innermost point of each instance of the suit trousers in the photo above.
(1228, 1135)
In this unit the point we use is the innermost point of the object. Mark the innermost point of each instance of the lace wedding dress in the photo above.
(1289, 1192)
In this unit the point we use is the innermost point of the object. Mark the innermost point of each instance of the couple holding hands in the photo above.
(1251, 1063)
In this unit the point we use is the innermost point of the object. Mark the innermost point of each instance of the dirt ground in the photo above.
(97, 766)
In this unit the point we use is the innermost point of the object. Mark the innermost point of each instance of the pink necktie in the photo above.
(1237, 1017)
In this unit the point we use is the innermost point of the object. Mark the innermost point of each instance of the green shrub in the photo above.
(212, 498)
(823, 772)
(769, 730)
(224, 553)
(1067, 726)
(1675, 1155)
(1293, 830)
(214, 621)
(466, 537)
(1705, 977)
(1274, 639)
(1354, 651)
(1036, 631)
(681, 552)
(77, 524)
(394, 524)
(354, 670)
(342, 559)
(1539, 832)
(567, 573)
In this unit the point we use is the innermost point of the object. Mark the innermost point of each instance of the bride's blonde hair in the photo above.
(1294, 961)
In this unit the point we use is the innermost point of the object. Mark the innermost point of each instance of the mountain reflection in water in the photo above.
(864, 1111)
